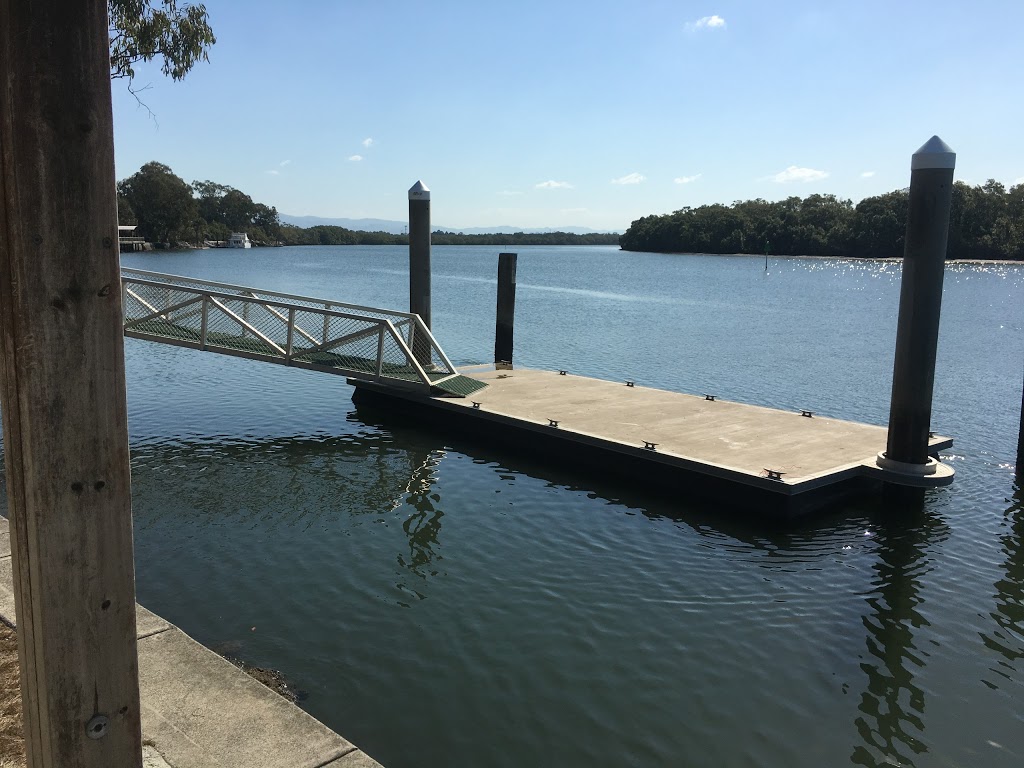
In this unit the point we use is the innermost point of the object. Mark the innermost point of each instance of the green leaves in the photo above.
(163, 204)
(180, 37)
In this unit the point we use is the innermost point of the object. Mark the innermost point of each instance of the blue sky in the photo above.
(553, 113)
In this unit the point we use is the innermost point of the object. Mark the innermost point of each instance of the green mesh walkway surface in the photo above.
(459, 386)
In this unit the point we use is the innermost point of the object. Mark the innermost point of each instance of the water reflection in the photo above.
(306, 482)
(424, 525)
(891, 720)
(1008, 640)
(396, 474)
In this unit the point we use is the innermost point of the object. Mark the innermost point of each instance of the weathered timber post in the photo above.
(506, 312)
(1020, 440)
(917, 330)
(63, 388)
(419, 264)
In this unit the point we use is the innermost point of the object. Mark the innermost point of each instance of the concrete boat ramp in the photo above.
(783, 461)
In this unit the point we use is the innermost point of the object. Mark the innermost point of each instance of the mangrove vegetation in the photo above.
(986, 222)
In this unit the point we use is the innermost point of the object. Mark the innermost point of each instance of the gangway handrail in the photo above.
(261, 291)
(272, 303)
(161, 319)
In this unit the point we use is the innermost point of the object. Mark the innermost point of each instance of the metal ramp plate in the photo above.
(457, 386)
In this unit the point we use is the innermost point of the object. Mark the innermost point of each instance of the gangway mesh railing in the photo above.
(365, 343)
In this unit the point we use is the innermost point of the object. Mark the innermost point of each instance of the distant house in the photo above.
(127, 242)
(239, 240)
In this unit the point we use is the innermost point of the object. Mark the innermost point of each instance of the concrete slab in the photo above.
(148, 623)
(203, 712)
(357, 759)
(153, 759)
(741, 437)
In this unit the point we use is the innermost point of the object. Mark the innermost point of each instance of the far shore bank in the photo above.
(882, 259)
(771, 257)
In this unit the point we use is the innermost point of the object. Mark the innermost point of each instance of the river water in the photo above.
(442, 602)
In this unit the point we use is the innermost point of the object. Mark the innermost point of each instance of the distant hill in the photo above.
(398, 227)
(505, 229)
(357, 225)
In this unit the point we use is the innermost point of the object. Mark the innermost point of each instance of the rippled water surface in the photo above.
(442, 602)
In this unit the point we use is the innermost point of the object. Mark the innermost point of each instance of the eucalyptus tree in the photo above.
(163, 203)
(143, 30)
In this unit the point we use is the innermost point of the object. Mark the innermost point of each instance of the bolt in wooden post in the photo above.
(917, 330)
(63, 388)
(506, 314)
(419, 265)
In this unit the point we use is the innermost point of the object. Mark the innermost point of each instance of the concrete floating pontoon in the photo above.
(781, 461)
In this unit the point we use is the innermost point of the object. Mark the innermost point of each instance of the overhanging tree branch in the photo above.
(180, 36)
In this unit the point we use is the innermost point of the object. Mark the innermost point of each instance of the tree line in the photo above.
(986, 222)
(167, 210)
(331, 235)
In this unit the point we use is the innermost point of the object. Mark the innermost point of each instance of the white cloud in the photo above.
(553, 185)
(867, 174)
(355, 158)
(273, 173)
(368, 142)
(687, 179)
(706, 22)
(796, 174)
(1017, 181)
(283, 163)
(630, 178)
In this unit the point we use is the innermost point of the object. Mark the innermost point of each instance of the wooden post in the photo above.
(1020, 441)
(63, 388)
(917, 330)
(506, 314)
(419, 265)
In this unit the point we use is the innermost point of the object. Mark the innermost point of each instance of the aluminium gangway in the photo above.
(362, 343)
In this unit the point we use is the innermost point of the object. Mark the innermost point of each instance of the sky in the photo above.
(591, 114)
